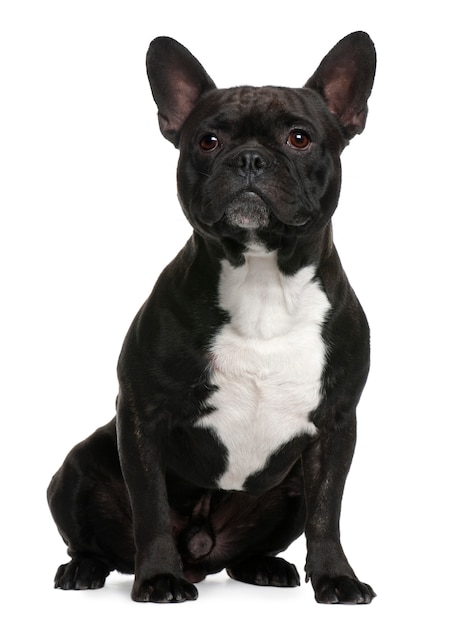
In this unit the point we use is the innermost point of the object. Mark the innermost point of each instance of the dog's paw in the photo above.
(81, 573)
(164, 588)
(342, 590)
(265, 570)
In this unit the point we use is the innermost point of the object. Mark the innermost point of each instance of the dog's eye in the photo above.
(209, 142)
(298, 139)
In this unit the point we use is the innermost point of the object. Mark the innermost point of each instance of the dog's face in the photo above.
(261, 164)
(261, 160)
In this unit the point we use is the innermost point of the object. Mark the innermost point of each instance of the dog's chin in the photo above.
(248, 211)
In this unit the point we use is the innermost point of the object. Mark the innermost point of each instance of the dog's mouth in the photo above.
(251, 210)
(248, 211)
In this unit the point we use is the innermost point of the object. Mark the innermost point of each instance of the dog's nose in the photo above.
(251, 163)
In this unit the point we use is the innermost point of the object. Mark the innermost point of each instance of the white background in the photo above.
(90, 217)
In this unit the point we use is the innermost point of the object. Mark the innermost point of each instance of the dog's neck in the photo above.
(310, 249)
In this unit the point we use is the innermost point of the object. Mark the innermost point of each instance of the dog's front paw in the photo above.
(164, 588)
(342, 590)
(265, 570)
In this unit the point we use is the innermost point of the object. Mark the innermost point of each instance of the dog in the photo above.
(239, 377)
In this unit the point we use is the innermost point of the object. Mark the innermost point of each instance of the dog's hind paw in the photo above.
(265, 570)
(81, 573)
(164, 588)
(342, 590)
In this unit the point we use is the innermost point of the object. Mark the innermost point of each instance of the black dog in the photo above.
(240, 376)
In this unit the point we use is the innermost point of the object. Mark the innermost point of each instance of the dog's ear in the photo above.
(177, 81)
(345, 78)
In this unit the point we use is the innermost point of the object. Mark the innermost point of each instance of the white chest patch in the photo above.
(267, 362)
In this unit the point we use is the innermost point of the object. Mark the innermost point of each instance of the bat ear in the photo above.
(345, 78)
(177, 81)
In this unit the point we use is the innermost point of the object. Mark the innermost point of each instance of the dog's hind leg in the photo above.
(265, 570)
(89, 503)
(81, 573)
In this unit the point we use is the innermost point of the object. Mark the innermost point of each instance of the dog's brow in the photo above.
(280, 120)
(289, 120)
(219, 122)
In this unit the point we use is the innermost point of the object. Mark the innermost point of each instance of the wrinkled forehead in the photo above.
(252, 110)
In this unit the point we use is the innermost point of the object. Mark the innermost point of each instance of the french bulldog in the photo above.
(240, 376)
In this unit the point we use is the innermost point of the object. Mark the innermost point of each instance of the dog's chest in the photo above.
(266, 363)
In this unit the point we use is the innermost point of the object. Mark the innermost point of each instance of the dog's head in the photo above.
(261, 163)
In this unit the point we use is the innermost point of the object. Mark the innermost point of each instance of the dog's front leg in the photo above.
(158, 567)
(326, 464)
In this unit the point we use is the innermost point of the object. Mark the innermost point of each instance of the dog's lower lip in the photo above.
(252, 196)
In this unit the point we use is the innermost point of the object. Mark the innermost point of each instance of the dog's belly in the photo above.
(266, 363)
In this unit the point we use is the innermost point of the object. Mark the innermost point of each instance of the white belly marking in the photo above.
(267, 362)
